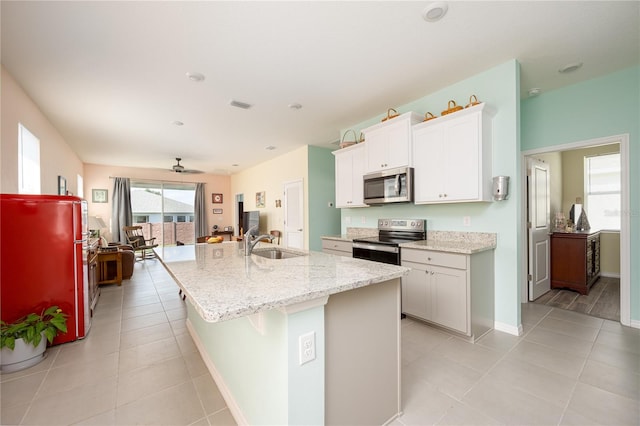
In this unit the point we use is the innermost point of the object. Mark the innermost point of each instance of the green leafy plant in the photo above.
(51, 322)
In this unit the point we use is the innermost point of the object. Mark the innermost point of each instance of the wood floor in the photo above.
(603, 300)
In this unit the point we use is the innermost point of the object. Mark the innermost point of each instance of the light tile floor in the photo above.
(139, 366)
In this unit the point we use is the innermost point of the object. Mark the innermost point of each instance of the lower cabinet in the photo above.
(337, 247)
(451, 290)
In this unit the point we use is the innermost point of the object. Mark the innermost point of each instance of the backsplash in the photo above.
(361, 232)
(463, 237)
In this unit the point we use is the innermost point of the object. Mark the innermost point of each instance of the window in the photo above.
(165, 207)
(602, 189)
(28, 162)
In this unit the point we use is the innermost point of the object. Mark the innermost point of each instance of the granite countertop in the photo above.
(455, 242)
(222, 283)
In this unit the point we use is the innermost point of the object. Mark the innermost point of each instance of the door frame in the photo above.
(625, 224)
(303, 217)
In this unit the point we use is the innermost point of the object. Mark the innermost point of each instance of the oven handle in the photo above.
(375, 247)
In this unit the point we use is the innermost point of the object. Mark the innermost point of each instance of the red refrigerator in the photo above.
(43, 256)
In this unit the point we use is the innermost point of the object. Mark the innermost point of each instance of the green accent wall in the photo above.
(604, 106)
(323, 219)
(499, 87)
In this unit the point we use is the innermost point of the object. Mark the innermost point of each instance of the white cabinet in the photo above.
(388, 144)
(452, 157)
(337, 247)
(449, 289)
(349, 171)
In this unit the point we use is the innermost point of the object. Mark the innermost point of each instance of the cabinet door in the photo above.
(344, 179)
(398, 135)
(349, 171)
(462, 159)
(415, 291)
(449, 297)
(376, 150)
(428, 164)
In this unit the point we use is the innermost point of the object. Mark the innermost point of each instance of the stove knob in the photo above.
(413, 224)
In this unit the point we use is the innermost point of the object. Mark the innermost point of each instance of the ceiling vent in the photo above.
(239, 104)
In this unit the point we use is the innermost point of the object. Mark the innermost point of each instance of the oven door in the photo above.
(376, 252)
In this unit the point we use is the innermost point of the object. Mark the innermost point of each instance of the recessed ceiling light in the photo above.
(570, 68)
(195, 76)
(239, 104)
(534, 91)
(270, 148)
(435, 11)
(178, 123)
(295, 106)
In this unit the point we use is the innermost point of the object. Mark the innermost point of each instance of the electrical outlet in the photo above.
(466, 221)
(307, 347)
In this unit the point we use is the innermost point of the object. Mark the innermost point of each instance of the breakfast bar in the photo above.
(309, 338)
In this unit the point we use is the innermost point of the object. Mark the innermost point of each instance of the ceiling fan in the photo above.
(179, 168)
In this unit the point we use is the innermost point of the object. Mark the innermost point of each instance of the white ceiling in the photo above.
(110, 76)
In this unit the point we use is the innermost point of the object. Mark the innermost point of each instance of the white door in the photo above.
(293, 215)
(539, 225)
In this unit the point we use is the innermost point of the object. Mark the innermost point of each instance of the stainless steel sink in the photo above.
(275, 253)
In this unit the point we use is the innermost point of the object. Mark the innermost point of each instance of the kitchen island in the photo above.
(310, 339)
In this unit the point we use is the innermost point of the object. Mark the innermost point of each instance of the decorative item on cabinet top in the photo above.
(428, 116)
(390, 115)
(344, 144)
(473, 101)
(451, 107)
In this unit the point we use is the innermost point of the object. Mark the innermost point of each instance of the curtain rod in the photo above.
(154, 180)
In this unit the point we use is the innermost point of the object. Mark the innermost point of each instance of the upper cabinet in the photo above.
(388, 144)
(349, 171)
(452, 157)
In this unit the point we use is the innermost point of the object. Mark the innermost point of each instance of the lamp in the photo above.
(95, 225)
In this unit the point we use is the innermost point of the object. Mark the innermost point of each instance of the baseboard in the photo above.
(507, 328)
(610, 274)
(234, 409)
(635, 323)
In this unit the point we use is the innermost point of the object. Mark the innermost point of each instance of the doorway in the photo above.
(624, 244)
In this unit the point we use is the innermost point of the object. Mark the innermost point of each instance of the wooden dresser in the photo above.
(575, 260)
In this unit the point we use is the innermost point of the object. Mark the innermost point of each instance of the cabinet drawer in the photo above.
(436, 258)
(344, 246)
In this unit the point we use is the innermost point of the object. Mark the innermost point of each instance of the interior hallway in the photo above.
(139, 366)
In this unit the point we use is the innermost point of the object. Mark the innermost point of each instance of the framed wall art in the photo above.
(62, 185)
(216, 198)
(260, 201)
(99, 195)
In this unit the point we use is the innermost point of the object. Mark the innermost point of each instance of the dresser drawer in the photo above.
(336, 245)
(435, 258)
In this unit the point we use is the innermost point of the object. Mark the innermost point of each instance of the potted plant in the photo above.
(23, 342)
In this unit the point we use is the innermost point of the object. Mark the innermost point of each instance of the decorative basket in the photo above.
(473, 101)
(390, 115)
(361, 138)
(451, 107)
(428, 116)
(344, 144)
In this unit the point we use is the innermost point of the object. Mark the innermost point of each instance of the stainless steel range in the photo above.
(385, 247)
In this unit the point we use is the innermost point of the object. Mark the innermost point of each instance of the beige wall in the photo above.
(573, 187)
(98, 177)
(56, 157)
(270, 177)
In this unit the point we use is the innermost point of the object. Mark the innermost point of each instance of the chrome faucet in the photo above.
(250, 243)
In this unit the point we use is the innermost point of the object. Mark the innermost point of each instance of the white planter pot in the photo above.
(22, 356)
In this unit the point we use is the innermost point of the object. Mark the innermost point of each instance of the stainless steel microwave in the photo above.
(389, 186)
